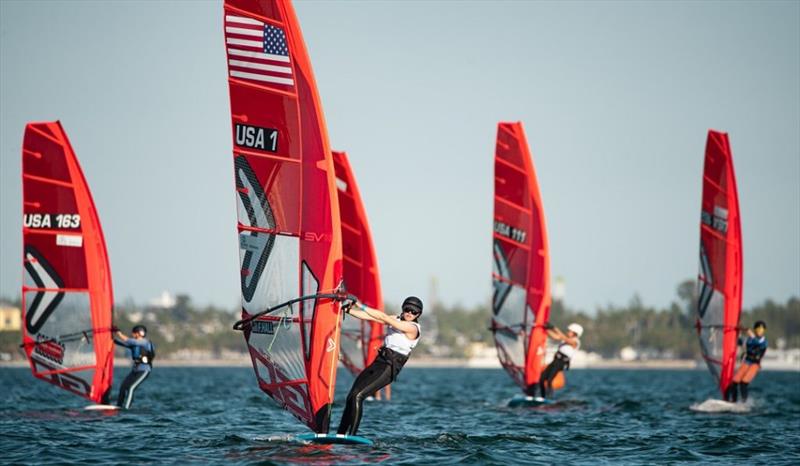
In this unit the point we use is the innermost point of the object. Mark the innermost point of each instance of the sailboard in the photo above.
(334, 439)
(101, 407)
(360, 339)
(720, 406)
(523, 401)
(521, 275)
(290, 246)
(719, 280)
(67, 297)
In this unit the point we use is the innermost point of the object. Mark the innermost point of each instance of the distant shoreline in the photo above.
(664, 364)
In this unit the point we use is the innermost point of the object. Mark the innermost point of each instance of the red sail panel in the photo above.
(521, 274)
(288, 215)
(720, 277)
(360, 339)
(66, 288)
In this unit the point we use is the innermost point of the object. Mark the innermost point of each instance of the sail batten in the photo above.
(521, 302)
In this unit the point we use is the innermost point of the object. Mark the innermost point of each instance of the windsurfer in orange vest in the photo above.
(755, 347)
(570, 343)
(402, 335)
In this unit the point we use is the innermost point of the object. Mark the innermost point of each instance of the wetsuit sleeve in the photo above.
(139, 343)
(119, 342)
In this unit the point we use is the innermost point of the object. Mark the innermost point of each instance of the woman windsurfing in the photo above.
(570, 343)
(402, 335)
(755, 346)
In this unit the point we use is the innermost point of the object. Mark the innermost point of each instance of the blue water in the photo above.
(443, 416)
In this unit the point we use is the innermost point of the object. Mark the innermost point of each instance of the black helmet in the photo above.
(139, 328)
(413, 305)
(760, 323)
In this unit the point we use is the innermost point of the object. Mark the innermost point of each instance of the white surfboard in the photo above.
(101, 407)
(720, 406)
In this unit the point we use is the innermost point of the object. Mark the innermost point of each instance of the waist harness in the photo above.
(393, 359)
(145, 355)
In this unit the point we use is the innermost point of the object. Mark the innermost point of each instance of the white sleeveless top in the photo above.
(397, 340)
(567, 349)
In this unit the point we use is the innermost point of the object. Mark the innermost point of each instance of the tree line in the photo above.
(449, 331)
(668, 332)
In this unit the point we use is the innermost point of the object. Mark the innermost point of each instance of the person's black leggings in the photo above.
(377, 375)
(549, 373)
(129, 385)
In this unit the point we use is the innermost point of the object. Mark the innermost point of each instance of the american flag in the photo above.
(257, 51)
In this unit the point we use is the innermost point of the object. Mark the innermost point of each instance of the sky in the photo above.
(616, 99)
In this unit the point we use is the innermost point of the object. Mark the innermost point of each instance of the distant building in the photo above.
(559, 288)
(628, 354)
(10, 318)
(165, 301)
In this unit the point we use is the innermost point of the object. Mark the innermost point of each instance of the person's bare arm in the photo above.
(554, 333)
(121, 336)
(571, 341)
(408, 328)
(358, 311)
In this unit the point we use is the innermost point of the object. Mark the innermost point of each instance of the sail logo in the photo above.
(257, 246)
(64, 380)
(256, 137)
(49, 348)
(46, 297)
(509, 232)
(317, 237)
(263, 327)
(705, 282)
(718, 220)
(63, 221)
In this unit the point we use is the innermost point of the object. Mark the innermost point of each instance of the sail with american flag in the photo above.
(257, 51)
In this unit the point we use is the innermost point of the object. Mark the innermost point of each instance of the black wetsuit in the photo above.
(560, 362)
(377, 375)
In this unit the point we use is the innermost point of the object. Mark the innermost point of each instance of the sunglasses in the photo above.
(412, 311)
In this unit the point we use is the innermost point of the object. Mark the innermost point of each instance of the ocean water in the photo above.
(442, 416)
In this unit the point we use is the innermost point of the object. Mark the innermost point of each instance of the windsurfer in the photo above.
(143, 352)
(570, 342)
(755, 347)
(403, 334)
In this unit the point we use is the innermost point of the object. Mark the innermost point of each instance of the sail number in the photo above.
(510, 232)
(718, 220)
(256, 137)
(62, 221)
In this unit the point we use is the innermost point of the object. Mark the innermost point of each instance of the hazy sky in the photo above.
(616, 99)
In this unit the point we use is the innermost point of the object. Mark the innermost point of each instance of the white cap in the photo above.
(577, 328)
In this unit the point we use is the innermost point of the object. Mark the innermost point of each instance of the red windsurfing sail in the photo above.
(360, 339)
(66, 287)
(720, 277)
(288, 215)
(521, 274)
